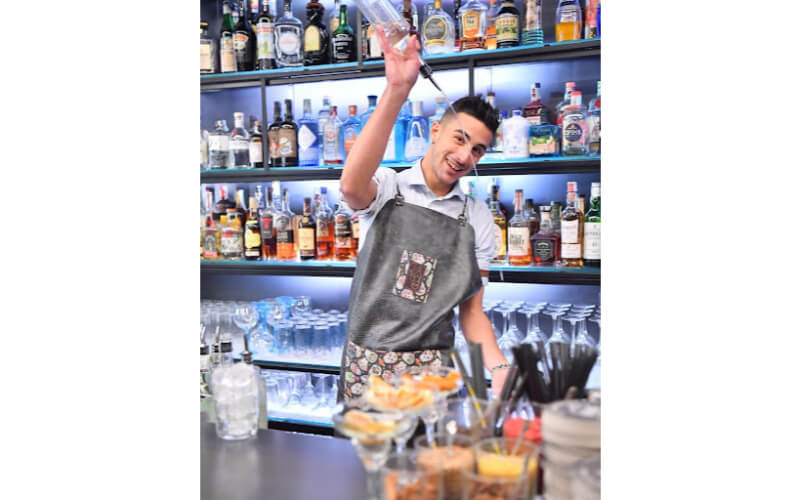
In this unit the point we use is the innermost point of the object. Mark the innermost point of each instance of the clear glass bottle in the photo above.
(555, 218)
(343, 40)
(315, 38)
(438, 113)
(564, 104)
(491, 30)
(257, 146)
(240, 142)
(288, 39)
(573, 128)
(227, 60)
(472, 16)
(265, 38)
(333, 142)
(572, 229)
(533, 33)
(396, 145)
(438, 32)
(325, 227)
(322, 118)
(417, 134)
(372, 101)
(350, 129)
(516, 132)
(284, 230)
(545, 243)
(219, 146)
(208, 51)
(333, 19)
(594, 124)
(519, 237)
(591, 230)
(568, 20)
(308, 137)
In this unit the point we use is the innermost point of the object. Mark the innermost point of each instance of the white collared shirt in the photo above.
(416, 191)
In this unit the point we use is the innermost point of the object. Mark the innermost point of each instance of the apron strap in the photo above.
(462, 219)
(398, 198)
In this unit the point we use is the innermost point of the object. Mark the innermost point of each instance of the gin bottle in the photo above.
(350, 129)
(438, 32)
(372, 100)
(240, 142)
(289, 39)
(594, 123)
(322, 118)
(516, 132)
(573, 127)
(308, 137)
(417, 134)
(219, 146)
(333, 143)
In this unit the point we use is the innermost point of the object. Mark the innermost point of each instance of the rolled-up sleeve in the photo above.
(483, 223)
(386, 179)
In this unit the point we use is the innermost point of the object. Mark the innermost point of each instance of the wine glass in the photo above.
(245, 316)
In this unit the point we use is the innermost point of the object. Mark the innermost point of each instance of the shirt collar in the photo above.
(416, 178)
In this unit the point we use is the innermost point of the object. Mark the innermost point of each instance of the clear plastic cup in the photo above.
(382, 13)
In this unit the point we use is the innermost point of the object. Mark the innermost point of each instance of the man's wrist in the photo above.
(396, 94)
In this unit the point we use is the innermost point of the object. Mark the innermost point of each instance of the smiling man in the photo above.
(425, 245)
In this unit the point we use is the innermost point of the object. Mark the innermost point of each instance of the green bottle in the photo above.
(226, 56)
(343, 47)
(591, 230)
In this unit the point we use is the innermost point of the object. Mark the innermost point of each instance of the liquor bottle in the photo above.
(343, 42)
(519, 235)
(257, 146)
(370, 46)
(255, 10)
(354, 224)
(208, 51)
(491, 29)
(568, 20)
(372, 101)
(350, 129)
(322, 118)
(343, 234)
(591, 230)
(241, 211)
(516, 132)
(494, 194)
(573, 127)
(412, 16)
(333, 142)
(545, 243)
(591, 28)
(535, 111)
(438, 113)
(473, 25)
(231, 242)
(244, 41)
(219, 146)
(203, 149)
(438, 32)
(498, 136)
(287, 138)
(396, 145)
(457, 20)
(500, 228)
(227, 61)
(284, 230)
(507, 25)
(416, 135)
(333, 19)
(306, 232)
(288, 39)
(252, 233)
(572, 230)
(273, 138)
(266, 217)
(594, 123)
(316, 36)
(582, 203)
(532, 217)
(265, 38)
(223, 204)
(210, 229)
(240, 142)
(565, 103)
(533, 33)
(325, 227)
(307, 137)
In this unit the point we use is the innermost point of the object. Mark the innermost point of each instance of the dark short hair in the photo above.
(476, 108)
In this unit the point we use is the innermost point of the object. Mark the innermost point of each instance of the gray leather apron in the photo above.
(416, 265)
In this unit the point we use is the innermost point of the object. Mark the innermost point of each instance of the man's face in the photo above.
(451, 156)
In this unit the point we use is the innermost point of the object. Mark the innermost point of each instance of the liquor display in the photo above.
(315, 37)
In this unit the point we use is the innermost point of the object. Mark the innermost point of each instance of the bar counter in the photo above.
(279, 465)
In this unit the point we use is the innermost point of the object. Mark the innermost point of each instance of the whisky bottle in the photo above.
(252, 233)
(287, 138)
(343, 45)
(267, 218)
(519, 240)
(223, 203)
(343, 235)
(591, 230)
(227, 60)
(315, 36)
(473, 25)
(274, 138)
(572, 230)
(500, 228)
(533, 218)
(325, 227)
(545, 243)
(306, 232)
(284, 230)
(355, 226)
(231, 244)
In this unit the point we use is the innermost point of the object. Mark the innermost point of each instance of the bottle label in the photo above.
(283, 230)
(350, 134)
(342, 47)
(227, 61)
(499, 241)
(330, 145)
(312, 38)
(306, 240)
(591, 14)
(519, 242)
(534, 120)
(342, 227)
(287, 143)
(210, 245)
(572, 131)
(543, 250)
(218, 142)
(273, 144)
(289, 42)
(542, 141)
(265, 40)
(570, 251)
(238, 144)
(266, 227)
(591, 240)
(240, 41)
(471, 24)
(507, 26)
(205, 57)
(256, 151)
(305, 138)
(533, 15)
(231, 243)
(435, 31)
(323, 229)
(569, 14)
(252, 239)
(569, 231)
(355, 229)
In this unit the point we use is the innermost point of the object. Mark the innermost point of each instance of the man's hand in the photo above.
(402, 68)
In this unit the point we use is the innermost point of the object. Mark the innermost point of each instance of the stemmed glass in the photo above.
(245, 316)
(557, 348)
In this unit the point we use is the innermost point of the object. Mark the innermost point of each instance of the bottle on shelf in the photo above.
(354, 225)
(244, 41)
(273, 137)
(307, 137)
(255, 10)
(266, 217)
(457, 21)
(498, 136)
(582, 204)
(343, 234)
(535, 111)
(494, 194)
(241, 208)
(210, 229)
(325, 227)
(223, 204)
(370, 46)
(265, 38)
(565, 103)
(333, 19)
(256, 146)
(322, 118)
(555, 219)
(315, 38)
(203, 149)
(546, 242)
(438, 113)
(396, 145)
(473, 25)
(532, 217)
(573, 127)
(594, 124)
(284, 230)
(568, 20)
(491, 29)
(227, 60)
(494, 147)
(208, 51)
(306, 232)
(516, 132)
(288, 39)
(507, 25)
(519, 235)
(500, 229)
(240, 142)
(333, 143)
(591, 230)
(438, 31)
(343, 42)
(252, 233)
(231, 243)
(219, 146)
(572, 229)
(372, 102)
(287, 137)
(591, 28)
(533, 33)
(350, 129)
(416, 135)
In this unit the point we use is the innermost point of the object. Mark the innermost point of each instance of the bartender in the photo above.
(425, 245)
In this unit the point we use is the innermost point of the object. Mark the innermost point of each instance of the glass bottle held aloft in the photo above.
(240, 142)
(417, 134)
(288, 39)
(208, 51)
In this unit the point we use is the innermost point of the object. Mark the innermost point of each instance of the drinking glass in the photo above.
(283, 339)
(505, 464)
(303, 338)
(297, 383)
(468, 417)
(301, 305)
(405, 478)
(456, 455)
(320, 339)
(284, 389)
(308, 397)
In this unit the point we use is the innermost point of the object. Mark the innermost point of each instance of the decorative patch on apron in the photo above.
(414, 276)
(360, 362)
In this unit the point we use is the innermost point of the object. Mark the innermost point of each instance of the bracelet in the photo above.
(499, 367)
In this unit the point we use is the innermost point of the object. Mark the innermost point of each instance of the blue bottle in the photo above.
(416, 135)
(350, 128)
(307, 137)
(322, 118)
(395, 147)
(373, 100)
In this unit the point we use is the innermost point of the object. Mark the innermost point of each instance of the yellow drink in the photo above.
(568, 31)
(504, 466)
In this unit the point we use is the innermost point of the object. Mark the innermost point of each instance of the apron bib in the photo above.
(416, 265)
